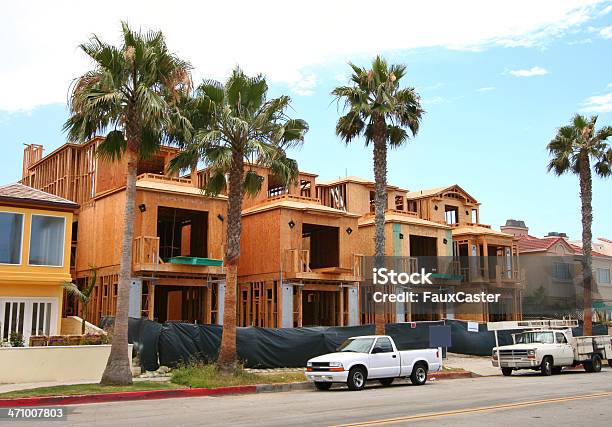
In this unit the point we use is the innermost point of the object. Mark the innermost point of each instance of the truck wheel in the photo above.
(386, 381)
(556, 370)
(323, 386)
(593, 365)
(546, 366)
(419, 374)
(507, 372)
(356, 378)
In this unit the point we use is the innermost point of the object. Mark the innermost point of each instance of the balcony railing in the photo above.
(164, 178)
(298, 261)
(146, 250)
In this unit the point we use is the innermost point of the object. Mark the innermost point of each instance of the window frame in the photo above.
(599, 270)
(561, 279)
(378, 340)
(63, 242)
(23, 220)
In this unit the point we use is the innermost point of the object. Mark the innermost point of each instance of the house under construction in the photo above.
(302, 248)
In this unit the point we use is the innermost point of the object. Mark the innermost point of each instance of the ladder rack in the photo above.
(532, 324)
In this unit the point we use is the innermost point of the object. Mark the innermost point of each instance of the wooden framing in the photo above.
(312, 236)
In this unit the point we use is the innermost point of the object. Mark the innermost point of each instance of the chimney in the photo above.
(515, 227)
(556, 234)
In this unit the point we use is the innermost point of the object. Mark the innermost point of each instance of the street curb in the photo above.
(178, 393)
(151, 394)
(450, 375)
(124, 396)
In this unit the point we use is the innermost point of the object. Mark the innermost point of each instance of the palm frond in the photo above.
(113, 146)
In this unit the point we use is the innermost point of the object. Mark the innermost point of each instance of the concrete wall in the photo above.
(42, 364)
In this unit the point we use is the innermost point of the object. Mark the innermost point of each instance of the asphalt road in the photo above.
(572, 398)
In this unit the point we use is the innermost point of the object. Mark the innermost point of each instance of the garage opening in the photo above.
(180, 304)
(320, 308)
(182, 232)
(323, 243)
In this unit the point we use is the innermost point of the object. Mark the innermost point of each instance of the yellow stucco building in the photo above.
(35, 242)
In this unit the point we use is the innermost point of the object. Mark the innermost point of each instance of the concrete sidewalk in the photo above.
(479, 365)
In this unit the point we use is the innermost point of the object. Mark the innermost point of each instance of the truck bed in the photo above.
(601, 344)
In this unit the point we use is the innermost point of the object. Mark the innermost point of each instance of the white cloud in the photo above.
(434, 86)
(304, 86)
(598, 104)
(533, 71)
(485, 89)
(435, 100)
(606, 10)
(606, 32)
(39, 38)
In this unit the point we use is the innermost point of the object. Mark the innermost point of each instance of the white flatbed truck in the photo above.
(548, 346)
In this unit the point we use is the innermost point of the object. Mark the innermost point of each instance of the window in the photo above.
(561, 271)
(11, 230)
(603, 276)
(356, 345)
(399, 203)
(47, 241)
(451, 214)
(560, 338)
(384, 343)
(28, 317)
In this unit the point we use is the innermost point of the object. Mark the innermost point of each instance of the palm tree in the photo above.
(129, 95)
(380, 111)
(574, 149)
(84, 295)
(235, 128)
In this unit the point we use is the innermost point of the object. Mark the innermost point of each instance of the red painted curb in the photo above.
(124, 395)
(449, 375)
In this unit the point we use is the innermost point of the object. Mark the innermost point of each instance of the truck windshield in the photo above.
(357, 345)
(535, 337)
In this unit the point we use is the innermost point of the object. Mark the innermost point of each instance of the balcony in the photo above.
(164, 178)
(497, 271)
(145, 258)
(296, 265)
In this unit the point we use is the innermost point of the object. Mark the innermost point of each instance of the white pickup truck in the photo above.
(549, 350)
(370, 357)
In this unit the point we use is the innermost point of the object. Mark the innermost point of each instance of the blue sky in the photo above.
(495, 89)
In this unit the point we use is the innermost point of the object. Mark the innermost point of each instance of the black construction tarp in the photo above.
(175, 343)
(144, 334)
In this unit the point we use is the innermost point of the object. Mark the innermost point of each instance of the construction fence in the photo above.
(171, 343)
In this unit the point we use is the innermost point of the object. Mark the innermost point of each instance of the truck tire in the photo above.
(547, 366)
(593, 365)
(386, 381)
(419, 374)
(323, 386)
(356, 378)
(507, 372)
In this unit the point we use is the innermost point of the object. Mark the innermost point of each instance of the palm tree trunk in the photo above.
(227, 353)
(380, 205)
(118, 370)
(586, 196)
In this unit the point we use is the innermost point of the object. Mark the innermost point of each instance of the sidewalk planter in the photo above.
(39, 341)
(54, 363)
